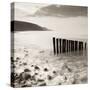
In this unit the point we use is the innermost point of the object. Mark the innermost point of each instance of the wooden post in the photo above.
(60, 45)
(80, 45)
(54, 46)
(76, 45)
(67, 45)
(69, 49)
(64, 45)
(85, 46)
(57, 46)
(72, 45)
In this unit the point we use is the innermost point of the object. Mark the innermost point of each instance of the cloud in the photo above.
(62, 10)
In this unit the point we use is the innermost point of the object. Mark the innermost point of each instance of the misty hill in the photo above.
(26, 26)
(62, 10)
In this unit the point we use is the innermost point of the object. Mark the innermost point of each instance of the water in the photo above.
(42, 39)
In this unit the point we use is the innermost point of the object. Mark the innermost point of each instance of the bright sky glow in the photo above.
(27, 7)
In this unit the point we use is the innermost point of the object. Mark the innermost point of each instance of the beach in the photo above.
(34, 63)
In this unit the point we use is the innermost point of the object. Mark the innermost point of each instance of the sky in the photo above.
(28, 7)
(74, 22)
(47, 9)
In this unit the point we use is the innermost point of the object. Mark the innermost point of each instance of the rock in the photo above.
(40, 80)
(50, 77)
(74, 82)
(33, 78)
(27, 76)
(26, 70)
(45, 69)
(24, 76)
(17, 58)
(69, 69)
(36, 73)
(37, 68)
(43, 84)
(26, 55)
(20, 64)
(59, 84)
(26, 86)
(24, 64)
(41, 51)
(32, 65)
(54, 72)
(65, 78)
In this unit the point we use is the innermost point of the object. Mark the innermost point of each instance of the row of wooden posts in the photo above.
(65, 45)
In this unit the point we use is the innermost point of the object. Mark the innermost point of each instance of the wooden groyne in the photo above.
(66, 46)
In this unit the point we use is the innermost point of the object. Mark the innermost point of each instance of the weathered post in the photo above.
(60, 45)
(80, 45)
(57, 46)
(85, 46)
(76, 45)
(67, 45)
(54, 46)
(64, 45)
(72, 45)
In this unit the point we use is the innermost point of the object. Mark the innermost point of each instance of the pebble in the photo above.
(26, 70)
(43, 84)
(50, 77)
(24, 63)
(40, 80)
(36, 67)
(45, 69)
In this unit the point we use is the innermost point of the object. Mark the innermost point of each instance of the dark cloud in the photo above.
(63, 10)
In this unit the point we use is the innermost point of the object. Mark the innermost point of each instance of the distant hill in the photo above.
(26, 26)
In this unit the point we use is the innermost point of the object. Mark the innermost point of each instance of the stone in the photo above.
(36, 67)
(43, 84)
(50, 77)
(45, 69)
(26, 70)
